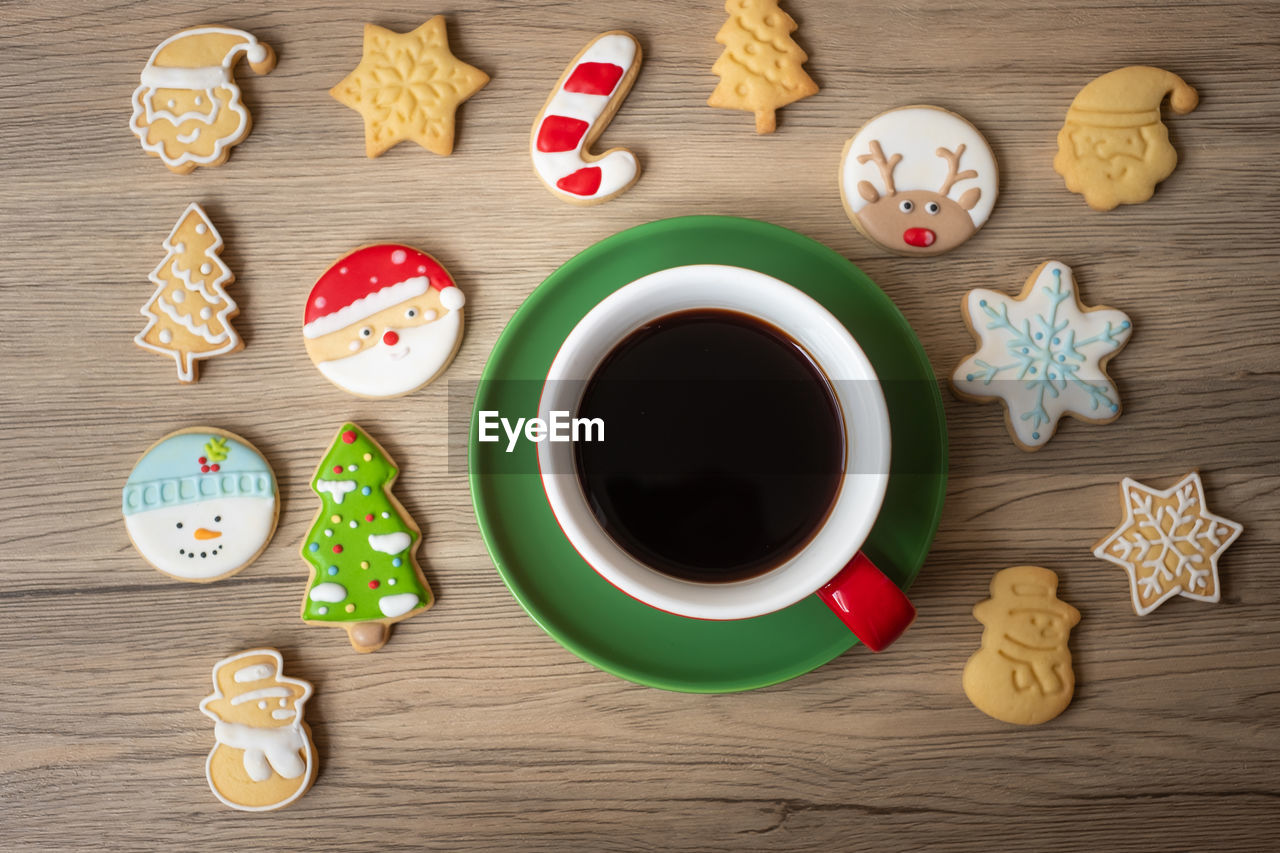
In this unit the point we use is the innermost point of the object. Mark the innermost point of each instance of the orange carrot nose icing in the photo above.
(205, 533)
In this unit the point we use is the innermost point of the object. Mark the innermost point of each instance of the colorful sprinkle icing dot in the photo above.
(332, 570)
(203, 461)
(350, 608)
(328, 533)
(353, 468)
(396, 561)
(353, 524)
(366, 490)
(337, 549)
(204, 469)
(369, 517)
(349, 437)
(368, 457)
(322, 610)
(386, 515)
(391, 581)
(335, 518)
(364, 564)
(373, 584)
(214, 467)
(337, 469)
(313, 547)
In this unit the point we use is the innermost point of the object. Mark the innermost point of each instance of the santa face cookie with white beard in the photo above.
(201, 504)
(383, 321)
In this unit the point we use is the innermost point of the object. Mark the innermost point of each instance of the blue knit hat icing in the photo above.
(169, 474)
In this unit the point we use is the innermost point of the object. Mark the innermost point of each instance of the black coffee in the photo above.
(724, 446)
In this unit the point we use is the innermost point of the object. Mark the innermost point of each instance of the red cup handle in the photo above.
(869, 603)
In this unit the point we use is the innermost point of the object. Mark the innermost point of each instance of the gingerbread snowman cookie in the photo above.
(263, 758)
(383, 321)
(187, 109)
(918, 180)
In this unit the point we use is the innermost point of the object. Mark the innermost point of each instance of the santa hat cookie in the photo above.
(187, 110)
(383, 321)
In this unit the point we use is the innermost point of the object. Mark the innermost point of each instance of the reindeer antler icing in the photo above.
(953, 163)
(886, 165)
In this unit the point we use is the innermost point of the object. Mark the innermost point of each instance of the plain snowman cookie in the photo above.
(201, 504)
(918, 180)
(263, 758)
(1022, 673)
(383, 321)
(188, 109)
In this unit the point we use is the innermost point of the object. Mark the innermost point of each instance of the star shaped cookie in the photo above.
(1169, 543)
(1043, 354)
(408, 86)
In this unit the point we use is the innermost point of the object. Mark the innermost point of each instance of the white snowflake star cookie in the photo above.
(1043, 354)
(1169, 543)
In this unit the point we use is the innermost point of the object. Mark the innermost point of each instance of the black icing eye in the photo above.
(179, 525)
(366, 332)
(932, 208)
(906, 205)
(217, 518)
(411, 313)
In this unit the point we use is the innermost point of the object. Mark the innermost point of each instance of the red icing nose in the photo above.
(391, 338)
(921, 237)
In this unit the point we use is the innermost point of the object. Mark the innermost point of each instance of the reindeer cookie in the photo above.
(918, 180)
(263, 759)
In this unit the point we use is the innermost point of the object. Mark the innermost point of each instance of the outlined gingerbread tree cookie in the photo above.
(1169, 543)
(1022, 674)
(263, 759)
(761, 68)
(189, 315)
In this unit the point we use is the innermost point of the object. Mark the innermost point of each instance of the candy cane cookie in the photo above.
(580, 107)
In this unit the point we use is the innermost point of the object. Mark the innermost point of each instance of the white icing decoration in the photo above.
(155, 77)
(263, 704)
(177, 297)
(618, 166)
(367, 306)
(339, 489)
(383, 371)
(200, 229)
(391, 581)
(916, 133)
(328, 592)
(201, 330)
(166, 336)
(205, 269)
(247, 524)
(398, 256)
(188, 138)
(390, 543)
(397, 605)
(452, 298)
(257, 672)
(260, 693)
(1042, 355)
(284, 750)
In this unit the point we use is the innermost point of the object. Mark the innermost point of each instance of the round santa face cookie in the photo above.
(383, 321)
(201, 504)
(918, 180)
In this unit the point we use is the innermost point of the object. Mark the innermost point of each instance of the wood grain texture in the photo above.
(473, 730)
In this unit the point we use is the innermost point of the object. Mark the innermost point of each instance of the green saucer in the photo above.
(576, 606)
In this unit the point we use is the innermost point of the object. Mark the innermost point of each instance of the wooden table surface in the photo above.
(473, 729)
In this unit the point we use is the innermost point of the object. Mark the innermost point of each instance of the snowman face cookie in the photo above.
(201, 504)
(383, 321)
(918, 180)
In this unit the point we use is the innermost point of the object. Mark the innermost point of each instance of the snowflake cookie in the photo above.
(1043, 354)
(1169, 543)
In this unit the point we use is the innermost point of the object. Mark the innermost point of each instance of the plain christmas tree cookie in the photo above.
(918, 180)
(188, 109)
(408, 86)
(189, 314)
(580, 107)
(1113, 149)
(1169, 543)
(1043, 354)
(761, 68)
(1022, 673)
(361, 548)
(263, 758)
(201, 504)
(383, 321)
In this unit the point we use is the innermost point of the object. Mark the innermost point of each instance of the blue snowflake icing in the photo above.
(1046, 355)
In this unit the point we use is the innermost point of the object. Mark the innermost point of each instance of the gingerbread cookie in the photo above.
(1043, 354)
(383, 321)
(761, 68)
(188, 110)
(1169, 543)
(201, 504)
(1022, 673)
(364, 575)
(1113, 149)
(918, 180)
(580, 107)
(263, 758)
(408, 86)
(189, 315)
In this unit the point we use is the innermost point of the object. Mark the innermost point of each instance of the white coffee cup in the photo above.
(861, 490)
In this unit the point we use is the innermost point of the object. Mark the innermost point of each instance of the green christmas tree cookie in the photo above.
(364, 575)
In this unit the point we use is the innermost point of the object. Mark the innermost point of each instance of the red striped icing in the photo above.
(594, 78)
(560, 133)
(582, 182)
